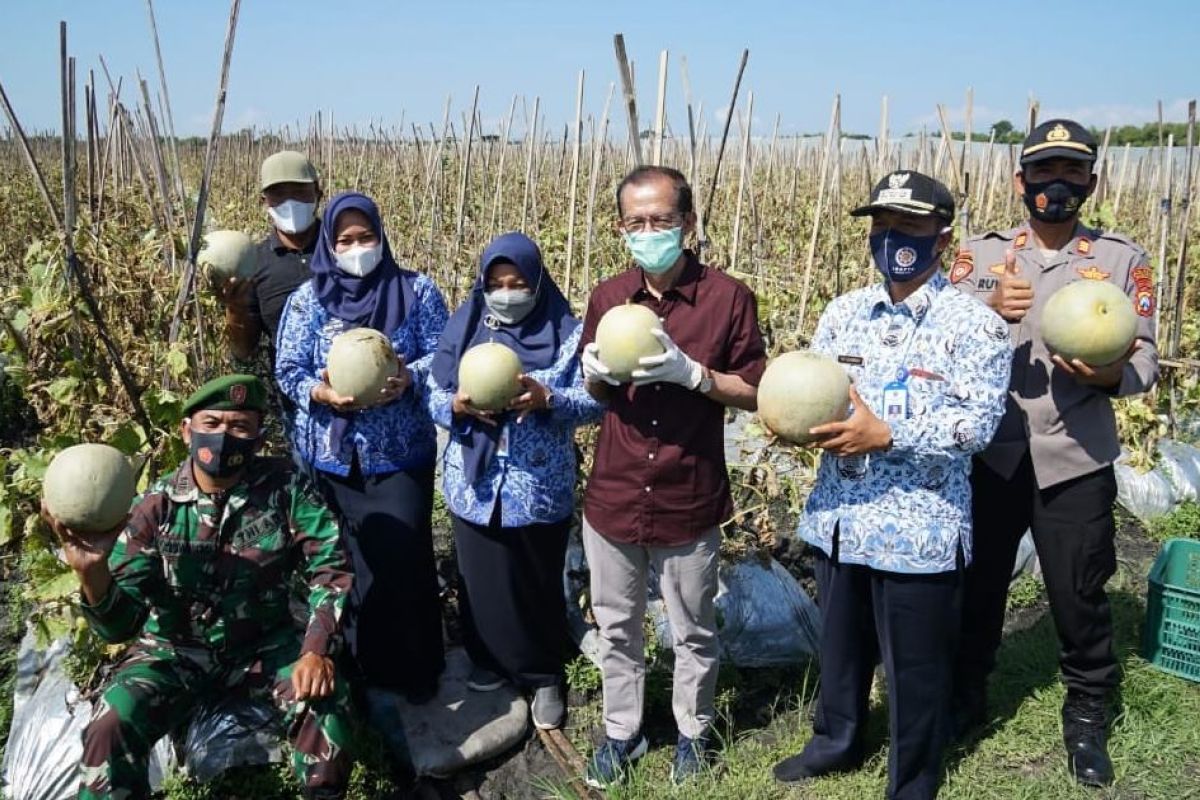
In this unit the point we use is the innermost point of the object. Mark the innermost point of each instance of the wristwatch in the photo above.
(706, 381)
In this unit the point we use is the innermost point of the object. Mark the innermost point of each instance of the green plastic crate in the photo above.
(1171, 637)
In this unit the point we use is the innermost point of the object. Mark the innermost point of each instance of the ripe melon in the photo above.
(624, 336)
(487, 373)
(225, 255)
(360, 362)
(89, 487)
(1093, 321)
(801, 390)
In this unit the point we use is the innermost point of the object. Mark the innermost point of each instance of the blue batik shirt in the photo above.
(396, 436)
(908, 509)
(535, 481)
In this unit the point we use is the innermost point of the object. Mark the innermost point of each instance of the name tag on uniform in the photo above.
(854, 361)
(895, 397)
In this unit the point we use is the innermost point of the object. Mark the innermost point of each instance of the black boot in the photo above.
(1085, 734)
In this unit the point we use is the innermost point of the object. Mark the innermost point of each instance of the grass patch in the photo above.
(1182, 523)
(1026, 592)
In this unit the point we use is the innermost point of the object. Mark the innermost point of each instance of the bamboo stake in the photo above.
(162, 79)
(660, 116)
(531, 139)
(812, 242)
(1164, 231)
(498, 199)
(625, 70)
(462, 197)
(1184, 220)
(737, 83)
(574, 182)
(210, 160)
(741, 191)
(593, 181)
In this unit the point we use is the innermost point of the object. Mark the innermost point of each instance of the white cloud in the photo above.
(1103, 115)
(982, 118)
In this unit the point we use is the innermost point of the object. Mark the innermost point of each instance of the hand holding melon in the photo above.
(86, 494)
(624, 336)
(227, 257)
(363, 370)
(1090, 328)
(488, 377)
(801, 390)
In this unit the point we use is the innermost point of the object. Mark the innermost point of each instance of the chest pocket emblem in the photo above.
(1093, 274)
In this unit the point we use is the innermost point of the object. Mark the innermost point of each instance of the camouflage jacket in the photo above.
(212, 574)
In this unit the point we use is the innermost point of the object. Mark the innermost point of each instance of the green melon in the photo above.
(89, 488)
(1093, 321)
(801, 390)
(225, 255)
(487, 373)
(624, 336)
(360, 362)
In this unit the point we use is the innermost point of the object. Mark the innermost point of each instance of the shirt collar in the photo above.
(684, 288)
(916, 305)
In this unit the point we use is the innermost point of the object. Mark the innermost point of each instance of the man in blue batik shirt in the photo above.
(890, 515)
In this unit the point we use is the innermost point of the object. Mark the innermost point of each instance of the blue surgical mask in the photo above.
(510, 306)
(900, 256)
(655, 251)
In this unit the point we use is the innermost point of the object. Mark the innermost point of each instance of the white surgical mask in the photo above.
(292, 216)
(510, 306)
(359, 260)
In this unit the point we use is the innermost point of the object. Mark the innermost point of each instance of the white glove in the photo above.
(671, 366)
(593, 369)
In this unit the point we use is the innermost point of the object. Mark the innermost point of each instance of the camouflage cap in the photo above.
(287, 166)
(229, 393)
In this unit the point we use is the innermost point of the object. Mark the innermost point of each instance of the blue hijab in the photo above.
(536, 339)
(380, 300)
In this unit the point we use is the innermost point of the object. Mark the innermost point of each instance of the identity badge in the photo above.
(895, 397)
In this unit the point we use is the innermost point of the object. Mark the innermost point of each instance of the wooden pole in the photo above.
(810, 259)
(660, 114)
(531, 137)
(575, 150)
(737, 83)
(742, 176)
(1177, 304)
(598, 146)
(625, 70)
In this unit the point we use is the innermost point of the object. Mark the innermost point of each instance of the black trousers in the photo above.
(514, 615)
(1073, 532)
(910, 622)
(393, 622)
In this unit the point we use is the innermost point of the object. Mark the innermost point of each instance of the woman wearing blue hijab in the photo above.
(509, 478)
(373, 458)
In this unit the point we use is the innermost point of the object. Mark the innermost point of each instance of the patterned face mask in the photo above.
(900, 256)
(1054, 201)
(220, 454)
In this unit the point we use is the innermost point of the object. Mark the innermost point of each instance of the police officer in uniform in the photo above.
(200, 578)
(1049, 467)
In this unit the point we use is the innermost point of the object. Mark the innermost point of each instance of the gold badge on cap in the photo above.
(1058, 133)
(237, 393)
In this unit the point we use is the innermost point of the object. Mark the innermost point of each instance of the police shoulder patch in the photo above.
(964, 265)
(1143, 288)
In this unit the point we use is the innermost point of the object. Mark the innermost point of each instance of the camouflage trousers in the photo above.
(155, 691)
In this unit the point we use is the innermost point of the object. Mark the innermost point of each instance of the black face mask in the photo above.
(1055, 201)
(221, 454)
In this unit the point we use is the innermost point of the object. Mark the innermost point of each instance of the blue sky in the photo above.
(1102, 62)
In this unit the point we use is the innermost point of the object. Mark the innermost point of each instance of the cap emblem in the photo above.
(237, 393)
(898, 180)
(1058, 133)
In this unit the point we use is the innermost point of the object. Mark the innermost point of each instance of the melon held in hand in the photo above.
(624, 336)
(1093, 321)
(225, 255)
(801, 390)
(89, 488)
(360, 362)
(487, 373)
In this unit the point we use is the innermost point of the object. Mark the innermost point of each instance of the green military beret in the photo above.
(229, 393)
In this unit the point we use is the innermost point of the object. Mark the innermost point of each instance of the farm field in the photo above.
(105, 328)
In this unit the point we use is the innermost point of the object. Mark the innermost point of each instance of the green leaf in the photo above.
(63, 390)
(177, 362)
(59, 587)
(6, 525)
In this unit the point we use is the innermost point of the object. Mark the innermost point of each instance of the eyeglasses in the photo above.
(656, 224)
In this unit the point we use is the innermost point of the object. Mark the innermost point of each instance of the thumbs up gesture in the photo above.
(1013, 296)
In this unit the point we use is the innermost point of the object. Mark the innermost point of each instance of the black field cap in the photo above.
(1059, 138)
(909, 193)
(229, 393)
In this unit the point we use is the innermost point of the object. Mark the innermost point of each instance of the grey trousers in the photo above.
(688, 576)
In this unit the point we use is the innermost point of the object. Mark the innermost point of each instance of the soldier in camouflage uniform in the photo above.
(202, 570)
(1049, 467)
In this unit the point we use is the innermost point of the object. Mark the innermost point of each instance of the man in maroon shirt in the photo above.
(659, 491)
